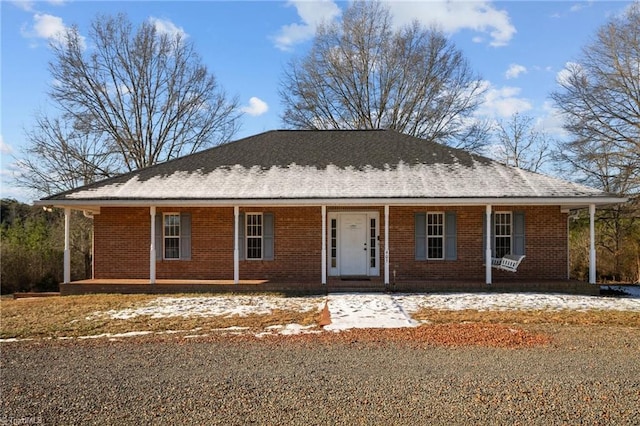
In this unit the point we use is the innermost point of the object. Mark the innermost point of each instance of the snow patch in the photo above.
(367, 311)
(223, 306)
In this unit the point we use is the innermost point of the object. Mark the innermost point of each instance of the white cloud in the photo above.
(312, 14)
(551, 121)
(570, 69)
(48, 27)
(5, 148)
(24, 4)
(164, 26)
(454, 16)
(502, 102)
(256, 107)
(449, 16)
(515, 70)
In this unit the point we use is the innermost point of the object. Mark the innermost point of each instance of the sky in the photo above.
(517, 47)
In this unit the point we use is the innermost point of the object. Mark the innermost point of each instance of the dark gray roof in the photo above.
(298, 164)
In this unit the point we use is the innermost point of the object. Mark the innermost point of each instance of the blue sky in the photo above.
(518, 48)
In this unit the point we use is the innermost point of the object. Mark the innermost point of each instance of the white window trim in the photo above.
(247, 236)
(443, 236)
(495, 234)
(164, 237)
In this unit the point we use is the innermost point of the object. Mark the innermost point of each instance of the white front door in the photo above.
(353, 244)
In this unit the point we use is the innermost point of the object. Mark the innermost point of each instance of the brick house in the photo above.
(311, 208)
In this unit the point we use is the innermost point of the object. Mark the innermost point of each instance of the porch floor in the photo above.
(169, 286)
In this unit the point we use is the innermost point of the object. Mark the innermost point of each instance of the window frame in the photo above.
(429, 237)
(248, 237)
(497, 235)
(173, 237)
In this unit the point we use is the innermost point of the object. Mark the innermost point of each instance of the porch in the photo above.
(165, 286)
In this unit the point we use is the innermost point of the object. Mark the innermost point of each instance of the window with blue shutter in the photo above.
(507, 233)
(436, 236)
(257, 236)
(173, 236)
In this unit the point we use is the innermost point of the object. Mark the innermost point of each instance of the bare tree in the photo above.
(363, 74)
(521, 145)
(132, 99)
(599, 98)
(600, 102)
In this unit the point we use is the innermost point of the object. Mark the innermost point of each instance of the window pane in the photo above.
(435, 248)
(254, 248)
(254, 236)
(502, 230)
(334, 242)
(435, 235)
(254, 225)
(172, 248)
(372, 242)
(172, 225)
(503, 246)
(172, 236)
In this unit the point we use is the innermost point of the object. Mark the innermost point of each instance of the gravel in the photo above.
(586, 376)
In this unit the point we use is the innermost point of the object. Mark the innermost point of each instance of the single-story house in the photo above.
(293, 207)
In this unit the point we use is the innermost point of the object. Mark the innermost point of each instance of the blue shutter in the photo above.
(158, 237)
(450, 236)
(241, 226)
(267, 236)
(185, 236)
(518, 233)
(421, 236)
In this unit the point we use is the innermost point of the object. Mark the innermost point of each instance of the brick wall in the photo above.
(122, 237)
(545, 245)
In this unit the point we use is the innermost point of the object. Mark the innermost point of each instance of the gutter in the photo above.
(567, 203)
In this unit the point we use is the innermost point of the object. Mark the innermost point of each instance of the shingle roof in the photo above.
(334, 164)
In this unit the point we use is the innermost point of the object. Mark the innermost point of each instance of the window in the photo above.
(502, 231)
(334, 243)
(372, 241)
(171, 235)
(435, 235)
(254, 235)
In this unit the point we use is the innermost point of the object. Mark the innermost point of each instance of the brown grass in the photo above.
(71, 316)
(563, 317)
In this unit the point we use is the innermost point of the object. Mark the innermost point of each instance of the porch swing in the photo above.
(508, 262)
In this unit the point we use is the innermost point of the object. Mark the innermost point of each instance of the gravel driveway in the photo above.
(587, 376)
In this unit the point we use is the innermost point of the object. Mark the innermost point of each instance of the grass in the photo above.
(561, 317)
(72, 316)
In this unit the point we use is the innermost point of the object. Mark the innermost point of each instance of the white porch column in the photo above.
(67, 252)
(324, 245)
(488, 246)
(152, 251)
(592, 243)
(236, 245)
(386, 244)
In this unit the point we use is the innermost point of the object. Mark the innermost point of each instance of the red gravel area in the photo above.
(447, 335)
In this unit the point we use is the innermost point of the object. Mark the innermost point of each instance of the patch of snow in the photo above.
(516, 301)
(14, 339)
(117, 335)
(224, 306)
(367, 311)
(288, 330)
